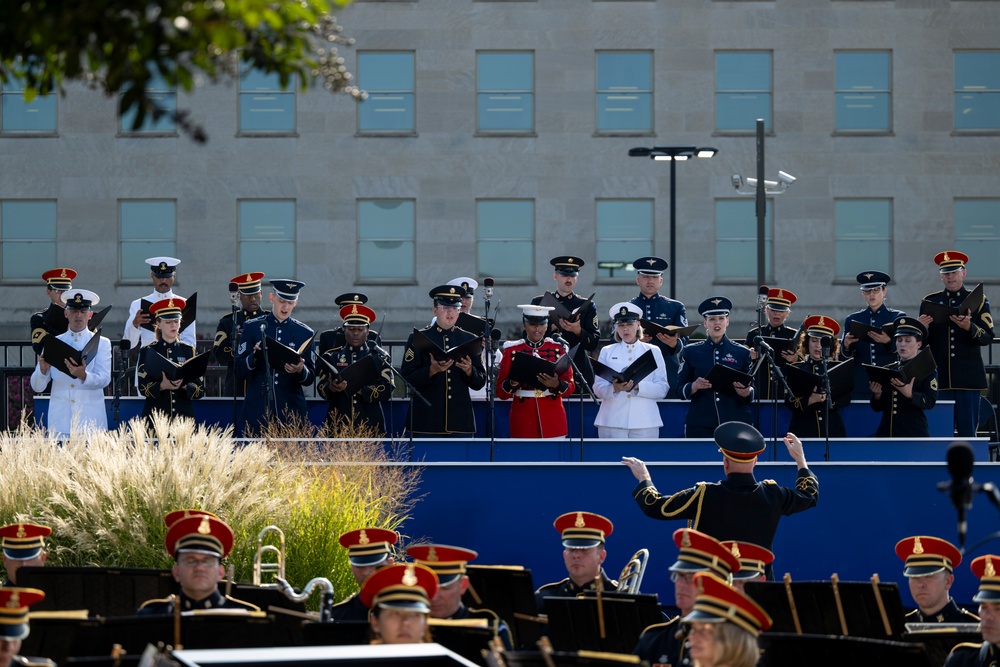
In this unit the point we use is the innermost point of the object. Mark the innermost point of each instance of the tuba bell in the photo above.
(631, 577)
(275, 568)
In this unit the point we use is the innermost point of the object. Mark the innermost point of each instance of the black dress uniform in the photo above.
(811, 421)
(171, 403)
(351, 609)
(222, 349)
(450, 409)
(958, 353)
(52, 320)
(902, 416)
(364, 406)
(950, 613)
(711, 407)
(253, 369)
(567, 589)
(973, 655)
(664, 644)
(762, 381)
(216, 600)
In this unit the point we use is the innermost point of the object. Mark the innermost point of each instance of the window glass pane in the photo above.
(388, 78)
(264, 106)
(385, 72)
(863, 91)
(862, 111)
(736, 240)
(743, 90)
(505, 101)
(977, 90)
(39, 115)
(267, 220)
(163, 125)
(624, 232)
(977, 234)
(505, 231)
(146, 229)
(863, 236)
(624, 97)
(385, 239)
(863, 70)
(28, 238)
(253, 79)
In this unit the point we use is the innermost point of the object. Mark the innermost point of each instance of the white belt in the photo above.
(532, 393)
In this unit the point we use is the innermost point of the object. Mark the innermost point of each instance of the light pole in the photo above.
(673, 154)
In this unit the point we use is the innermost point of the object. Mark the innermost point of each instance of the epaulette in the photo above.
(769, 481)
(932, 294)
(554, 584)
(660, 626)
(156, 601)
(966, 645)
(512, 343)
(254, 319)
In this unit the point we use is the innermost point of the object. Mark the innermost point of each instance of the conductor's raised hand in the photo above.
(795, 450)
(638, 468)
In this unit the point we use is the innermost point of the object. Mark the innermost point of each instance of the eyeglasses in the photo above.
(702, 631)
(198, 562)
(686, 577)
(871, 291)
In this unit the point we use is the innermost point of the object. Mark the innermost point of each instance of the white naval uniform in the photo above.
(72, 398)
(636, 409)
(140, 337)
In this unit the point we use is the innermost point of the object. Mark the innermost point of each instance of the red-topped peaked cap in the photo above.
(753, 558)
(950, 260)
(14, 603)
(821, 325)
(23, 541)
(176, 515)
(200, 534)
(718, 602)
(368, 546)
(583, 530)
(923, 555)
(447, 562)
(407, 586)
(987, 570)
(168, 309)
(700, 553)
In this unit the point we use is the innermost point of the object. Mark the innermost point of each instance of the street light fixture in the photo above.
(673, 155)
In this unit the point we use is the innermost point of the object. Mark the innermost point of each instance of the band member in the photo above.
(755, 561)
(988, 653)
(23, 546)
(583, 329)
(443, 381)
(275, 393)
(14, 627)
(777, 308)
(957, 343)
(724, 625)
(332, 339)
(197, 543)
(929, 568)
(77, 401)
(171, 397)
(364, 406)
(661, 310)
(712, 406)
(399, 597)
(368, 550)
(163, 272)
(629, 409)
(226, 339)
(810, 417)
(903, 406)
(490, 356)
(876, 348)
(535, 412)
(583, 538)
(51, 320)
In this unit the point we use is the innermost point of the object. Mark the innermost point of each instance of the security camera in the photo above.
(737, 181)
(786, 177)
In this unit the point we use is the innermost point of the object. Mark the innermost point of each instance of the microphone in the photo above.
(124, 345)
(762, 295)
(234, 293)
(559, 339)
(494, 340)
(488, 288)
(374, 347)
(763, 345)
(826, 342)
(960, 461)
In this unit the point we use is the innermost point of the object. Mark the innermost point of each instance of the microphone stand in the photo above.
(777, 378)
(757, 346)
(829, 399)
(122, 363)
(387, 360)
(232, 366)
(577, 375)
(488, 348)
(272, 400)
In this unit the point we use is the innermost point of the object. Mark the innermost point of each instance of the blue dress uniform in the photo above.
(865, 350)
(55, 279)
(711, 407)
(170, 402)
(739, 507)
(658, 309)
(223, 349)
(365, 406)
(958, 353)
(252, 368)
(450, 409)
(902, 416)
(973, 655)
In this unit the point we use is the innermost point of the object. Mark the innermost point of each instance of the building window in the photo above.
(864, 236)
(736, 240)
(977, 234)
(977, 90)
(505, 100)
(624, 92)
(165, 97)
(864, 91)
(19, 116)
(386, 239)
(28, 238)
(624, 232)
(505, 239)
(389, 80)
(265, 107)
(147, 228)
(267, 237)
(742, 90)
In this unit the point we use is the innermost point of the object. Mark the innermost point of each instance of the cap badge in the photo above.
(170, 303)
(918, 548)
(163, 266)
(701, 588)
(354, 309)
(14, 601)
(363, 538)
(822, 321)
(20, 530)
(623, 311)
(780, 294)
(572, 261)
(868, 276)
(736, 550)
(650, 261)
(990, 571)
(465, 286)
(357, 298)
(579, 523)
(686, 540)
(432, 555)
(62, 274)
(409, 577)
(946, 257)
(205, 527)
(451, 291)
(716, 302)
(78, 298)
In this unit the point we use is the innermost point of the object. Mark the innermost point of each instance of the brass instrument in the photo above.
(631, 577)
(326, 604)
(277, 569)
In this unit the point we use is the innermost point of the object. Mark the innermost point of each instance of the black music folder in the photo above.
(422, 343)
(575, 623)
(525, 367)
(780, 345)
(473, 323)
(361, 373)
(559, 309)
(803, 383)
(510, 593)
(860, 330)
(188, 315)
(723, 377)
(189, 371)
(55, 319)
(56, 352)
(652, 328)
(941, 312)
(636, 371)
(918, 367)
(279, 354)
(793, 650)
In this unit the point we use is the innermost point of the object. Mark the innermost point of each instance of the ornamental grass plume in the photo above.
(105, 493)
